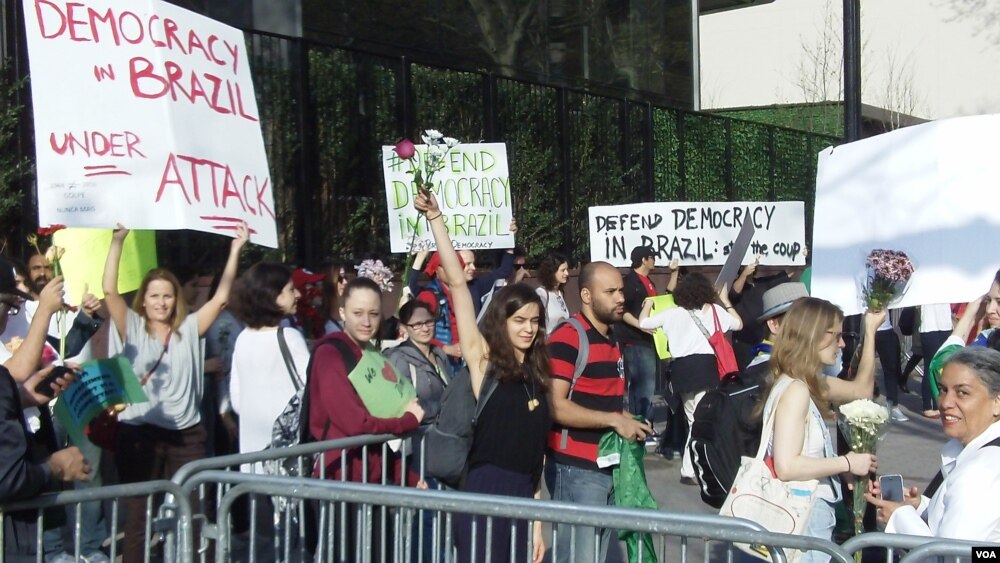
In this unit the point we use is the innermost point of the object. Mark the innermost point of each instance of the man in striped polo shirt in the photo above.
(596, 406)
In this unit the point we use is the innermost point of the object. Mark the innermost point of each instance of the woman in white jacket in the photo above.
(966, 505)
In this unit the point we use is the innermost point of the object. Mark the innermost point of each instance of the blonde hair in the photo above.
(804, 330)
(180, 307)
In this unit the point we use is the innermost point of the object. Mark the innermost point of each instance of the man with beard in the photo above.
(583, 411)
(39, 274)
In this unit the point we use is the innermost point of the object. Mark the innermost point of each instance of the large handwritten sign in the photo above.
(927, 190)
(100, 384)
(145, 115)
(473, 191)
(698, 234)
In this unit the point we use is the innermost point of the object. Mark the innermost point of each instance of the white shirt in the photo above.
(935, 317)
(683, 334)
(556, 310)
(967, 505)
(260, 385)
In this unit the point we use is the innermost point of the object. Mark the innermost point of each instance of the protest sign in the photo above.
(660, 304)
(927, 190)
(100, 384)
(698, 234)
(86, 251)
(731, 269)
(473, 191)
(145, 115)
(384, 392)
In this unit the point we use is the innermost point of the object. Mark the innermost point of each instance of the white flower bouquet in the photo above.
(863, 423)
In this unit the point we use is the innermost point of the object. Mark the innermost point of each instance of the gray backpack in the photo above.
(583, 354)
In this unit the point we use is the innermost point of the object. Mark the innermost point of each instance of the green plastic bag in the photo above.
(631, 490)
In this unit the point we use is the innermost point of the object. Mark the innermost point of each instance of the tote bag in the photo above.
(725, 358)
(757, 495)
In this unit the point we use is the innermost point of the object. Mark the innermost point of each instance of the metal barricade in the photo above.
(398, 506)
(905, 545)
(175, 526)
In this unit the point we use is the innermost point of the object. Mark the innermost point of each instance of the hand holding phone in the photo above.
(891, 487)
(44, 386)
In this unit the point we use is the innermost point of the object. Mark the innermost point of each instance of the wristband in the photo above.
(429, 219)
(848, 460)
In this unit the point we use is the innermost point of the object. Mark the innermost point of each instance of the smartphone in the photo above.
(891, 487)
(44, 387)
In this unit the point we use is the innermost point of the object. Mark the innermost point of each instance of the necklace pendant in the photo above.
(532, 405)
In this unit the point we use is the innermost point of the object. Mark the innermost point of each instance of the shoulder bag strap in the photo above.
(163, 352)
(715, 315)
(286, 355)
(769, 407)
(698, 322)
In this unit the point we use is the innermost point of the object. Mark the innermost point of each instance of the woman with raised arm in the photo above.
(507, 361)
(163, 344)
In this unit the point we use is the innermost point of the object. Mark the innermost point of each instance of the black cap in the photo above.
(640, 252)
(8, 281)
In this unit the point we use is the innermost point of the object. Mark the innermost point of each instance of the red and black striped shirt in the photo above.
(601, 387)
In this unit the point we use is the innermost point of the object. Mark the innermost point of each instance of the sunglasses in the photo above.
(519, 266)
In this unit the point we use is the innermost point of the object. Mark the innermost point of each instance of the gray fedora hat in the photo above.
(779, 298)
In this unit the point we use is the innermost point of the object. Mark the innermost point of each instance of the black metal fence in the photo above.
(327, 111)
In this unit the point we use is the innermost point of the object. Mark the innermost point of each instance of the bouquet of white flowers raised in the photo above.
(863, 423)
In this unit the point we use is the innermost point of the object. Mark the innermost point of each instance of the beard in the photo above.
(38, 284)
(608, 314)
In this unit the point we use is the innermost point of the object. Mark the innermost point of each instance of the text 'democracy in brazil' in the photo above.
(145, 114)
(698, 234)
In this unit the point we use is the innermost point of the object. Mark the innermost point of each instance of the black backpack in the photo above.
(723, 431)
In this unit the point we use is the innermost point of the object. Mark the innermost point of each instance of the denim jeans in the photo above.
(93, 526)
(640, 369)
(567, 483)
(820, 525)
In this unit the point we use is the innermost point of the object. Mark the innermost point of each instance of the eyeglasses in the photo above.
(836, 335)
(519, 266)
(421, 324)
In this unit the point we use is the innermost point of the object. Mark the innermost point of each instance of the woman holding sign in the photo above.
(509, 371)
(163, 344)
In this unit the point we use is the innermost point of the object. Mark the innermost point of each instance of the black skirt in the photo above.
(694, 373)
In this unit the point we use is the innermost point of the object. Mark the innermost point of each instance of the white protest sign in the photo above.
(145, 115)
(929, 191)
(699, 234)
(473, 190)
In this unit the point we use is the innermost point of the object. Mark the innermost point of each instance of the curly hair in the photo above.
(547, 270)
(507, 301)
(180, 311)
(256, 292)
(804, 330)
(694, 291)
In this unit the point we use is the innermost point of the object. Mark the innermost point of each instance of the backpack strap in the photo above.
(485, 392)
(350, 362)
(935, 483)
(286, 355)
(582, 356)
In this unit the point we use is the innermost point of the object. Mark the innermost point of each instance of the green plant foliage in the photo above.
(13, 167)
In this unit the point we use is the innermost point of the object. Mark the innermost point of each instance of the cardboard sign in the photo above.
(473, 191)
(699, 234)
(927, 190)
(730, 270)
(660, 304)
(86, 253)
(145, 115)
(382, 389)
(101, 384)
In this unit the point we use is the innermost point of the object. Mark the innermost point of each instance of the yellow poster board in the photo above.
(87, 251)
(660, 303)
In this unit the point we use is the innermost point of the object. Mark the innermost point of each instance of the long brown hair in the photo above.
(804, 329)
(507, 301)
(180, 306)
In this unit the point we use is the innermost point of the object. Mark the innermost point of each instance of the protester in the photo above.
(22, 475)
(776, 302)
(309, 316)
(747, 292)
(889, 351)
(596, 406)
(220, 341)
(935, 327)
(694, 366)
(163, 344)
(553, 272)
(333, 289)
(966, 504)
(508, 446)
(517, 275)
(801, 446)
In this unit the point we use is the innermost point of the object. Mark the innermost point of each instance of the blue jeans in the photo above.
(640, 369)
(820, 525)
(567, 483)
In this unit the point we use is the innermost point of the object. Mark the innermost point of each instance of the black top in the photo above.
(508, 434)
(635, 294)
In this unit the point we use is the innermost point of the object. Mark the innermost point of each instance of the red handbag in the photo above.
(725, 358)
(103, 429)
